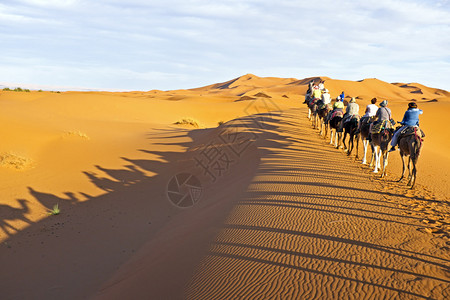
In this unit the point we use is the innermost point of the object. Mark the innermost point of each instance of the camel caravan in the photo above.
(375, 128)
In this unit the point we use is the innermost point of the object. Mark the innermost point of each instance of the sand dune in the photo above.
(217, 192)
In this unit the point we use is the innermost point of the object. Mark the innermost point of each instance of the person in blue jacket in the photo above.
(342, 96)
(410, 118)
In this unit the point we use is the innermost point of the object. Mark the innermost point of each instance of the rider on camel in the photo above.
(351, 111)
(309, 91)
(342, 96)
(370, 112)
(410, 118)
(326, 98)
(317, 93)
(337, 106)
(371, 109)
(383, 113)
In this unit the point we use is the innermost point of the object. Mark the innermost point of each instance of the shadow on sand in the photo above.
(70, 255)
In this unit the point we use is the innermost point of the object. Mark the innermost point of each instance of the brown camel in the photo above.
(322, 114)
(380, 143)
(410, 145)
(364, 134)
(313, 112)
(351, 129)
(335, 123)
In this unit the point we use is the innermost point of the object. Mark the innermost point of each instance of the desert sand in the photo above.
(219, 192)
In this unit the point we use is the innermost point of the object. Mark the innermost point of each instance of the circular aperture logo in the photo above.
(184, 190)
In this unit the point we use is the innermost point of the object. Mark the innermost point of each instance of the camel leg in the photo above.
(357, 147)
(331, 135)
(365, 147)
(309, 113)
(409, 170)
(412, 171)
(385, 155)
(343, 141)
(413, 177)
(403, 167)
(372, 160)
(377, 159)
(350, 145)
(335, 144)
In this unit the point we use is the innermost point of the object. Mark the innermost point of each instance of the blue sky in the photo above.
(174, 44)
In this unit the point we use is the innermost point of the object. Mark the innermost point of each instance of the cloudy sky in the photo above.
(172, 44)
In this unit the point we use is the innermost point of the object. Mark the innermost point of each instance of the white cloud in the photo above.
(198, 40)
(51, 3)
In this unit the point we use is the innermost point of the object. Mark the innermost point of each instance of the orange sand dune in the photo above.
(268, 209)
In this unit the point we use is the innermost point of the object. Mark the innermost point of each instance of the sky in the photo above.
(176, 44)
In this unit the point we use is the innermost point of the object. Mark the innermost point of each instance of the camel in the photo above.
(322, 114)
(364, 134)
(380, 143)
(351, 128)
(312, 112)
(335, 123)
(13, 213)
(307, 101)
(410, 145)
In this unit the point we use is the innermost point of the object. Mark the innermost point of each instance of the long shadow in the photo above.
(82, 247)
(12, 213)
(309, 270)
(85, 244)
(327, 208)
(390, 250)
(321, 257)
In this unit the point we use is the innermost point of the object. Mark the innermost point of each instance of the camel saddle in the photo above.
(337, 113)
(313, 101)
(410, 130)
(322, 105)
(377, 127)
(348, 118)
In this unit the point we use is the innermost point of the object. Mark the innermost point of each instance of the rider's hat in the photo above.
(412, 105)
(353, 100)
(384, 103)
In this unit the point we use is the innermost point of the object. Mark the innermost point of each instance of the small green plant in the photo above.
(54, 211)
(7, 89)
(220, 123)
(18, 89)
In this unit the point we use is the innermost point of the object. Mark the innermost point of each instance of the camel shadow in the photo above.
(13, 214)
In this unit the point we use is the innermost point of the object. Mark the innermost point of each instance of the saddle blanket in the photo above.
(337, 114)
(409, 130)
(377, 127)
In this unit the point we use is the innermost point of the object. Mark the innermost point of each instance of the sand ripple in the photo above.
(317, 227)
